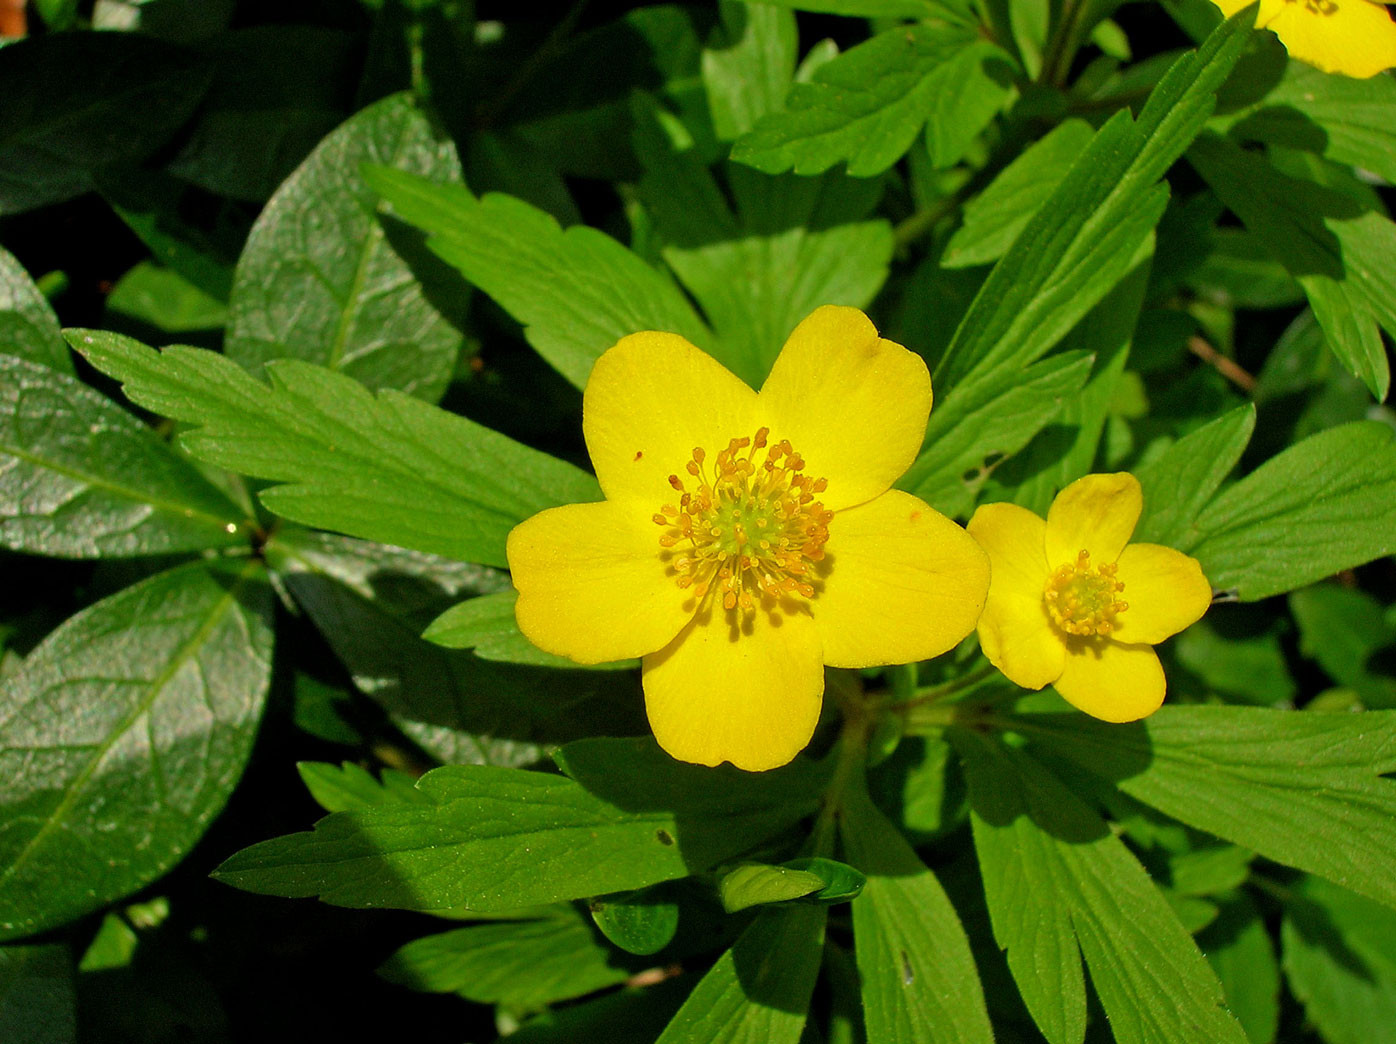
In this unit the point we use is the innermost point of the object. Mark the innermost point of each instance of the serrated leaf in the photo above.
(1055, 877)
(82, 478)
(1180, 481)
(1324, 504)
(521, 964)
(758, 992)
(388, 467)
(1301, 789)
(38, 1002)
(339, 788)
(56, 129)
(126, 730)
(993, 218)
(320, 279)
(1086, 237)
(642, 922)
(917, 972)
(866, 106)
(28, 327)
(495, 838)
(755, 884)
(1337, 250)
(577, 292)
(487, 625)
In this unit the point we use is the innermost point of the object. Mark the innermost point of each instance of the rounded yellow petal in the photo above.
(1015, 632)
(592, 584)
(901, 583)
(649, 402)
(1112, 681)
(853, 405)
(1096, 513)
(736, 687)
(1354, 37)
(1165, 591)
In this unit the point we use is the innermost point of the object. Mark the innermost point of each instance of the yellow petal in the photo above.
(747, 693)
(901, 583)
(854, 405)
(1165, 591)
(1353, 37)
(592, 585)
(1096, 514)
(649, 402)
(1015, 632)
(1112, 681)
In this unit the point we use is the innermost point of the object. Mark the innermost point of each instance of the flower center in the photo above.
(1083, 601)
(747, 527)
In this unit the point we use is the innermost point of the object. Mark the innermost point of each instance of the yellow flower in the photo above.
(747, 539)
(1074, 604)
(1353, 37)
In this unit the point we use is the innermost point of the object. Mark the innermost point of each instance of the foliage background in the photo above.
(216, 177)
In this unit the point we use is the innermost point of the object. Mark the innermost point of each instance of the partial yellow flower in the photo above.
(1354, 37)
(1075, 605)
(747, 539)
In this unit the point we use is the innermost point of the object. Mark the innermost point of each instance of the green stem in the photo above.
(1063, 43)
(852, 752)
(935, 693)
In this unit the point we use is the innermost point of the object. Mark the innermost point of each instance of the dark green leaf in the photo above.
(759, 990)
(1301, 789)
(321, 281)
(1055, 877)
(126, 731)
(38, 1004)
(56, 128)
(1180, 481)
(389, 468)
(1252, 667)
(487, 625)
(641, 922)
(1343, 629)
(577, 292)
(82, 478)
(1326, 503)
(28, 327)
(866, 106)
(914, 961)
(633, 1015)
(754, 884)
(1238, 947)
(842, 883)
(866, 8)
(521, 964)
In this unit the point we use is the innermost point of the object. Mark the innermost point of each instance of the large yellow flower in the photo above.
(1353, 37)
(1074, 604)
(747, 538)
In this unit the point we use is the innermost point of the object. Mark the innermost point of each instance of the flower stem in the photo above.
(935, 693)
(851, 753)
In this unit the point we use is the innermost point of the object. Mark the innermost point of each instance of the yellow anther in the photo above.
(1081, 600)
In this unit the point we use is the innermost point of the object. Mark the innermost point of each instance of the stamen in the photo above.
(1082, 601)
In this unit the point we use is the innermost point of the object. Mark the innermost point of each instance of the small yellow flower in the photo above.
(747, 539)
(1354, 37)
(1074, 604)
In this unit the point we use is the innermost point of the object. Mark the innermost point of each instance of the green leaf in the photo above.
(160, 297)
(754, 884)
(56, 129)
(1082, 241)
(981, 422)
(1301, 789)
(866, 106)
(1238, 947)
(520, 964)
(321, 281)
(1055, 877)
(1179, 482)
(348, 786)
(748, 64)
(388, 467)
(641, 922)
(28, 327)
(494, 838)
(1335, 248)
(914, 962)
(126, 731)
(1251, 666)
(114, 946)
(866, 8)
(1340, 960)
(577, 292)
(760, 989)
(792, 245)
(82, 478)
(842, 883)
(632, 1015)
(1326, 503)
(993, 219)
(38, 1002)
(1343, 629)
(487, 625)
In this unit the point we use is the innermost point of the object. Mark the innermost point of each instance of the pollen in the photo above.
(747, 526)
(1082, 600)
